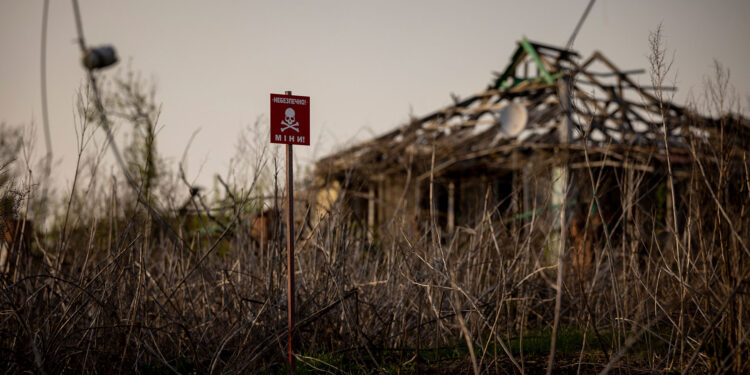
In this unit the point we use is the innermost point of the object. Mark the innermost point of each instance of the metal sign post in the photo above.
(290, 124)
(290, 250)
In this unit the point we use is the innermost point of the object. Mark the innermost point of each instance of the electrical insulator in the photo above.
(99, 57)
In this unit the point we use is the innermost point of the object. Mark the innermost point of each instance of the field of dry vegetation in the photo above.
(97, 282)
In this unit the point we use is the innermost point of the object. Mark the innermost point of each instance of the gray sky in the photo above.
(365, 65)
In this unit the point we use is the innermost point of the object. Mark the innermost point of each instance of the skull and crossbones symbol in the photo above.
(289, 122)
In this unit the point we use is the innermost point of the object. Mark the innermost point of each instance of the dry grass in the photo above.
(114, 292)
(111, 288)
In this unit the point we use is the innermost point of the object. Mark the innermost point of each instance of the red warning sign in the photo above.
(290, 119)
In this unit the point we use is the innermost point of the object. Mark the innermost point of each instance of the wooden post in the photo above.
(290, 249)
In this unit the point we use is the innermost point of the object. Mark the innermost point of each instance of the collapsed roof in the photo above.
(546, 98)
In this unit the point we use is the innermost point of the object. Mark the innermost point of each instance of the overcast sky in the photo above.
(365, 65)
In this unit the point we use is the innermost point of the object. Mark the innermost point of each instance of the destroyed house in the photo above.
(549, 117)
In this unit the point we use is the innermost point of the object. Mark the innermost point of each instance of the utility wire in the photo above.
(105, 124)
(578, 26)
(568, 46)
(79, 26)
(104, 121)
(45, 114)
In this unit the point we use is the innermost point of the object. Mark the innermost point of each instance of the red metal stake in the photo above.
(290, 248)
